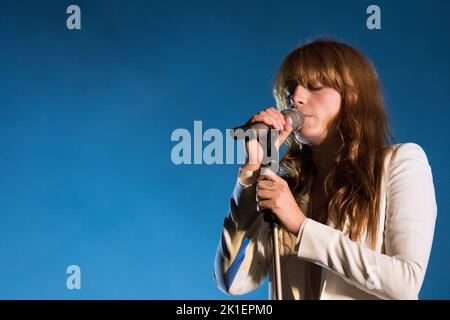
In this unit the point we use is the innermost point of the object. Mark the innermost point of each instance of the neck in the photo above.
(323, 156)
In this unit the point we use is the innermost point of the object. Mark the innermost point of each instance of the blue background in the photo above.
(86, 117)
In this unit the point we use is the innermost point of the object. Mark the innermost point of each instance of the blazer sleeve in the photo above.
(241, 262)
(409, 228)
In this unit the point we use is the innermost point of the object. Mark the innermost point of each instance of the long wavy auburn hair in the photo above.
(352, 185)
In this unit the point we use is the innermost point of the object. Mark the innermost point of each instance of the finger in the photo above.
(270, 177)
(278, 117)
(266, 185)
(287, 130)
(268, 118)
(288, 125)
(264, 194)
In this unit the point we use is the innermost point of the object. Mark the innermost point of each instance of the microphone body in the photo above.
(250, 130)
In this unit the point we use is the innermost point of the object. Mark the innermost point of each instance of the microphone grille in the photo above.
(297, 118)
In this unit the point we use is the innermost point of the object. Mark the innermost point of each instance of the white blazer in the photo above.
(395, 269)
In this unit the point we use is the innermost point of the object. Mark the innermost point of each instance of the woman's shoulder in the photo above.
(406, 154)
(408, 150)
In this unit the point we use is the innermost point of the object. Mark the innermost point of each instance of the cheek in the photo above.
(330, 106)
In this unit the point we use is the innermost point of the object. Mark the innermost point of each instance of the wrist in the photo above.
(300, 220)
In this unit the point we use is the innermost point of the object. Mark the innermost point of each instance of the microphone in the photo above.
(250, 130)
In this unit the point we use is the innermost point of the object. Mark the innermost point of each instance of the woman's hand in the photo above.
(273, 193)
(271, 117)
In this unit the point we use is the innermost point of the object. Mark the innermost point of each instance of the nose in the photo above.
(300, 97)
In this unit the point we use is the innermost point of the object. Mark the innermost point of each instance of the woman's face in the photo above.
(320, 105)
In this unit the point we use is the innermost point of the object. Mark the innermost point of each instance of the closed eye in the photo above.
(315, 88)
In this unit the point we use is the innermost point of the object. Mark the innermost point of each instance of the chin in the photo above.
(304, 139)
(307, 137)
